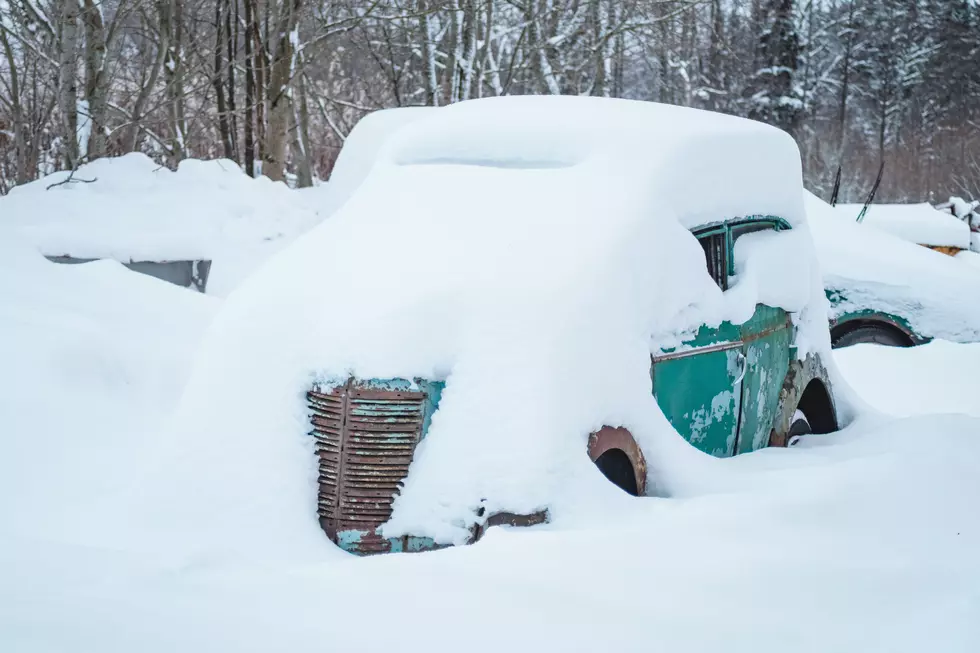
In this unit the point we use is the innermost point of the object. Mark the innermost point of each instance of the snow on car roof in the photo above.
(536, 293)
(917, 223)
(706, 166)
(939, 295)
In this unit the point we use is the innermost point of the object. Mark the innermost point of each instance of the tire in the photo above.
(871, 333)
(799, 427)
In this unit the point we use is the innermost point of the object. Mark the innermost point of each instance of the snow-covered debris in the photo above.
(532, 252)
(916, 223)
(939, 295)
(93, 359)
(132, 209)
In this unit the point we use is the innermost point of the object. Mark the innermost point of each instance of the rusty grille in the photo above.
(365, 438)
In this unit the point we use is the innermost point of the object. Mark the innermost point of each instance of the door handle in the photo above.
(742, 365)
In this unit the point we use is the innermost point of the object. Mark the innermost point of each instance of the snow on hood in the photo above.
(939, 295)
(536, 292)
(916, 223)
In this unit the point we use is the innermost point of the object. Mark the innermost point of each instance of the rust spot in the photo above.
(505, 518)
(364, 440)
(610, 438)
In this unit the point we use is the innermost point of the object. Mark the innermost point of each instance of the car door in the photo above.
(699, 386)
(766, 340)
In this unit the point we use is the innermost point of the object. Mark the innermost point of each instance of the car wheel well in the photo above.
(818, 407)
(615, 465)
(616, 454)
(890, 330)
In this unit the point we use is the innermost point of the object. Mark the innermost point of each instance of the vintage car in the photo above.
(875, 296)
(886, 290)
(727, 386)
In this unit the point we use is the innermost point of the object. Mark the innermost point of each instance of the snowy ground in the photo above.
(864, 540)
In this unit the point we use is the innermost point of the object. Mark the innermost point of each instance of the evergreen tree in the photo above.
(776, 95)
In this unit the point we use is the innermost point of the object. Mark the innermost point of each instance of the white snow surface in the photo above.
(537, 293)
(94, 357)
(937, 377)
(861, 540)
(136, 210)
(938, 294)
(915, 223)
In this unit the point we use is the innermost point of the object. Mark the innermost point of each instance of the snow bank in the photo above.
(867, 538)
(939, 295)
(916, 223)
(532, 290)
(970, 258)
(93, 359)
(937, 377)
(136, 210)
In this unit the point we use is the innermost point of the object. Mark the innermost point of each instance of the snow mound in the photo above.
(937, 377)
(939, 295)
(131, 209)
(94, 357)
(537, 294)
(916, 223)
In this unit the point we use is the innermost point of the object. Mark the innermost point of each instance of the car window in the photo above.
(715, 248)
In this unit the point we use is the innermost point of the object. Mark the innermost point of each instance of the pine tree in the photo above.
(775, 93)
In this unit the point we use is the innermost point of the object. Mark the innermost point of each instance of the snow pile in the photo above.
(970, 258)
(530, 278)
(939, 295)
(916, 223)
(937, 377)
(93, 359)
(135, 210)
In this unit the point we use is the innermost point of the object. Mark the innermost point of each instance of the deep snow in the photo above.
(557, 286)
(120, 532)
(132, 209)
(864, 540)
(920, 224)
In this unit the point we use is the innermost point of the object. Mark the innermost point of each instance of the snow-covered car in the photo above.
(520, 291)
(888, 290)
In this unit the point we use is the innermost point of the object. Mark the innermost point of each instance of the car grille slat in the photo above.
(364, 438)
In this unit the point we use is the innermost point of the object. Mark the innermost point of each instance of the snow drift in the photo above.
(132, 209)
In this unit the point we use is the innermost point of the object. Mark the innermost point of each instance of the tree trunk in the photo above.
(232, 43)
(19, 125)
(249, 92)
(67, 89)
(218, 81)
(174, 74)
(131, 138)
(280, 103)
(429, 52)
(301, 138)
(96, 79)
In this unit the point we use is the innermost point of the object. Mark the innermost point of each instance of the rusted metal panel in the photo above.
(767, 336)
(365, 435)
(609, 437)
